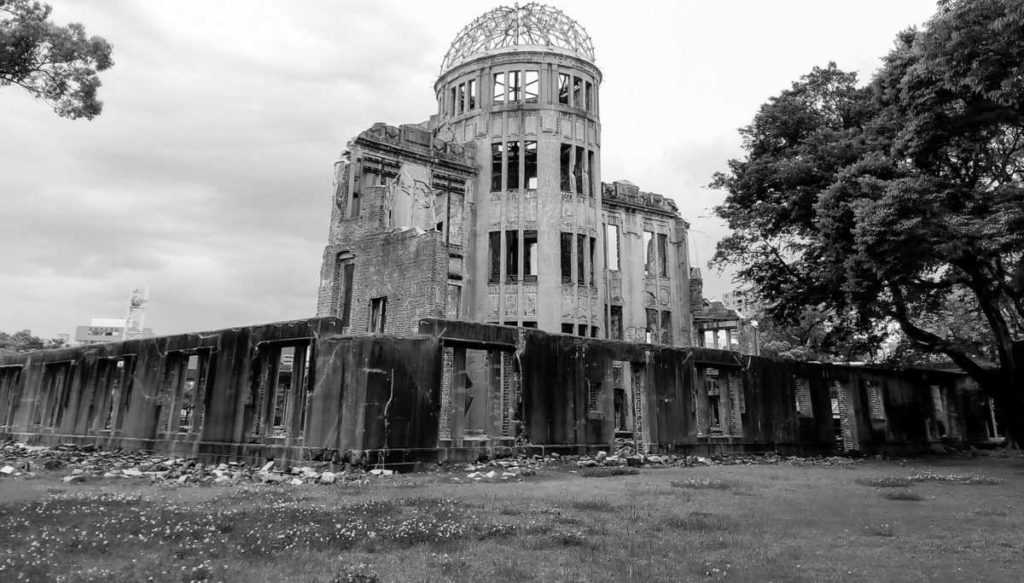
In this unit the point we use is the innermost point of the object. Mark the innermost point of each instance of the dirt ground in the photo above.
(932, 519)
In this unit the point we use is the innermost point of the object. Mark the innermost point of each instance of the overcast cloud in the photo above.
(207, 175)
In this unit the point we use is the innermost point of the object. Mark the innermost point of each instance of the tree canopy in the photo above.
(901, 200)
(24, 341)
(57, 64)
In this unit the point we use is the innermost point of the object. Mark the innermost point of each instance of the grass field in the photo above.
(923, 520)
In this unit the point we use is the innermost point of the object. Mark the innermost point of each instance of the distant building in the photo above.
(101, 330)
(743, 301)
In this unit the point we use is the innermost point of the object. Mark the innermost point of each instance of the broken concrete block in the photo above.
(601, 455)
(267, 467)
(296, 481)
(380, 472)
(328, 478)
(74, 478)
(132, 472)
(7, 470)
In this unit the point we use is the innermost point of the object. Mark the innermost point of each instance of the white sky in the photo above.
(207, 175)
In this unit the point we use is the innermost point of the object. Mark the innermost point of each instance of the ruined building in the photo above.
(494, 209)
(444, 235)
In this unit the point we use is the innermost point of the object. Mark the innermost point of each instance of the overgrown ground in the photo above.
(924, 520)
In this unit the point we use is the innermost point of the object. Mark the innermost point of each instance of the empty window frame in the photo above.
(454, 301)
(563, 88)
(566, 254)
(591, 173)
(531, 86)
(280, 397)
(876, 401)
(515, 86)
(497, 154)
(378, 314)
(499, 89)
(577, 92)
(666, 327)
(530, 165)
(344, 269)
(662, 255)
(581, 254)
(494, 255)
(589, 96)
(577, 170)
(461, 97)
(471, 93)
(565, 164)
(581, 330)
(652, 331)
(567, 328)
(531, 258)
(451, 101)
(49, 408)
(593, 252)
(615, 322)
(802, 397)
(648, 247)
(512, 255)
(611, 247)
(512, 178)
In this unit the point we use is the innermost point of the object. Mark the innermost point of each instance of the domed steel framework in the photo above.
(531, 24)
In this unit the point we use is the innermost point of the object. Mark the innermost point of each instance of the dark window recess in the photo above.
(662, 255)
(652, 325)
(496, 155)
(471, 93)
(577, 92)
(577, 170)
(530, 165)
(591, 173)
(567, 328)
(566, 251)
(593, 331)
(593, 251)
(461, 98)
(378, 314)
(714, 406)
(529, 324)
(345, 270)
(512, 179)
(615, 326)
(515, 87)
(530, 256)
(353, 212)
(451, 103)
(499, 88)
(454, 301)
(512, 255)
(530, 87)
(494, 252)
(666, 327)
(565, 163)
(581, 254)
(589, 96)
(563, 88)
(581, 330)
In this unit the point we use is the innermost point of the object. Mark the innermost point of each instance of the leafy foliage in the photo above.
(897, 202)
(57, 64)
(24, 341)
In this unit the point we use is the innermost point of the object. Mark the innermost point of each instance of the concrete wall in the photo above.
(229, 394)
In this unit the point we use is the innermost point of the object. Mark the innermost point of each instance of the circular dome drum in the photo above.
(513, 27)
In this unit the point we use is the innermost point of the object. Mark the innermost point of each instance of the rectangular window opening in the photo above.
(530, 164)
(577, 92)
(666, 327)
(378, 314)
(565, 163)
(566, 254)
(577, 170)
(497, 153)
(589, 96)
(494, 252)
(581, 254)
(471, 93)
(563, 88)
(593, 252)
(591, 173)
(512, 179)
(652, 333)
(648, 247)
(530, 87)
(515, 87)
(567, 328)
(512, 255)
(531, 261)
(615, 326)
(461, 98)
(662, 255)
(499, 88)
(611, 251)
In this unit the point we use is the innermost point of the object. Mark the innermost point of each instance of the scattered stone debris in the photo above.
(86, 462)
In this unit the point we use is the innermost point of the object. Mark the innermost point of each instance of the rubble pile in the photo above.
(87, 462)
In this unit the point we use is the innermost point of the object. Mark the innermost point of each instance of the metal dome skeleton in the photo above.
(528, 25)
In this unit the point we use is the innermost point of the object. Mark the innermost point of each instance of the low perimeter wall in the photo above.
(300, 390)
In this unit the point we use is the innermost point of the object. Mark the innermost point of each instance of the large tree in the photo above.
(57, 64)
(891, 202)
